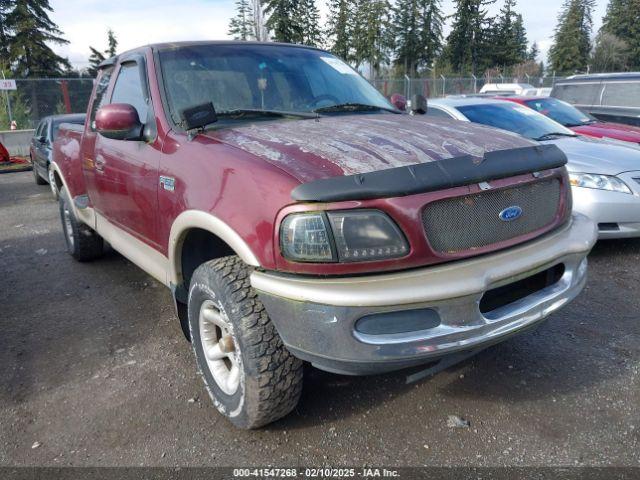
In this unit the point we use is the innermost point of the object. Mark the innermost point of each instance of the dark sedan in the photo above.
(42, 146)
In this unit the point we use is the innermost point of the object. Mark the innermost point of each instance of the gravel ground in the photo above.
(95, 372)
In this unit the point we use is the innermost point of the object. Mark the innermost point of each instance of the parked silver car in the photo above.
(605, 176)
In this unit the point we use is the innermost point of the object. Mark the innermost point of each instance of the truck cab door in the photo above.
(127, 171)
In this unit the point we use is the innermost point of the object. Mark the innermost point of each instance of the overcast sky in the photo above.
(138, 22)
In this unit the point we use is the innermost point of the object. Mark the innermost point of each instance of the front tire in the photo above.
(251, 377)
(52, 182)
(83, 243)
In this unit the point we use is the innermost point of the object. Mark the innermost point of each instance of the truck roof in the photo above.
(183, 44)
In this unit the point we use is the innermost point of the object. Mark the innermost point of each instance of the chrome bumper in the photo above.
(316, 318)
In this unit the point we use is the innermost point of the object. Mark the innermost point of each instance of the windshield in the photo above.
(560, 111)
(515, 118)
(261, 77)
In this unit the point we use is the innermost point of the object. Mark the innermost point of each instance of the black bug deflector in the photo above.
(433, 176)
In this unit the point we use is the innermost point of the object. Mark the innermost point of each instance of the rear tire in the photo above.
(251, 377)
(83, 243)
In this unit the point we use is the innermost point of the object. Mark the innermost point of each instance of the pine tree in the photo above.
(371, 33)
(31, 33)
(112, 41)
(95, 59)
(5, 7)
(508, 37)
(241, 26)
(623, 21)
(534, 52)
(572, 39)
(432, 22)
(308, 17)
(284, 20)
(468, 42)
(340, 26)
(407, 37)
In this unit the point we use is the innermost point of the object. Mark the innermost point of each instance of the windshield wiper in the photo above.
(353, 107)
(549, 136)
(264, 113)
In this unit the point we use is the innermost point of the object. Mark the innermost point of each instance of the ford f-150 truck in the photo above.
(296, 215)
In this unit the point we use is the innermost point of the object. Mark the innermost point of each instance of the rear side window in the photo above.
(100, 98)
(40, 131)
(128, 89)
(579, 93)
(622, 94)
(436, 112)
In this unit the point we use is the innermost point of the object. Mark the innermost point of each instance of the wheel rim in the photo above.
(220, 348)
(68, 227)
(52, 182)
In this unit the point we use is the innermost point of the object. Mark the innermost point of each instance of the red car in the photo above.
(578, 121)
(295, 215)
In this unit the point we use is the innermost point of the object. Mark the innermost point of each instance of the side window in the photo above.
(622, 94)
(579, 93)
(128, 89)
(100, 99)
(41, 129)
(436, 112)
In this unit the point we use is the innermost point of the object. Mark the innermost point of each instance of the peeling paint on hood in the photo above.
(351, 144)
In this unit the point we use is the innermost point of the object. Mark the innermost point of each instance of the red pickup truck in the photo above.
(296, 215)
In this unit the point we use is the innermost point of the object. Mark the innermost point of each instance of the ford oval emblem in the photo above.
(510, 214)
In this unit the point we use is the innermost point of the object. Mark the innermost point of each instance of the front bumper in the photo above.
(316, 318)
(616, 214)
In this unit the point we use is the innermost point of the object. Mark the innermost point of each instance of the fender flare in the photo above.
(190, 219)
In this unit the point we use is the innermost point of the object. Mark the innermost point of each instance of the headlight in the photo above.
(341, 236)
(599, 182)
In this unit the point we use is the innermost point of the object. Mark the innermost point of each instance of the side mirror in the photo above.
(119, 121)
(419, 105)
(42, 139)
(399, 101)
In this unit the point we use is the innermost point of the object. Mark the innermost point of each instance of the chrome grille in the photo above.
(473, 221)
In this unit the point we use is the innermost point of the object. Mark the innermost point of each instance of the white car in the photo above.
(506, 88)
(605, 176)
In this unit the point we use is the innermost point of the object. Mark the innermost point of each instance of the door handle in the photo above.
(100, 163)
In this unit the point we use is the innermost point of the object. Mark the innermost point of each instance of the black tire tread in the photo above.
(273, 376)
(88, 245)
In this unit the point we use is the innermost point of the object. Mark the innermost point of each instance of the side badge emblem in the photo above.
(168, 183)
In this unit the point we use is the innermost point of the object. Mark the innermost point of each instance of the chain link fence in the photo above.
(34, 99)
(442, 86)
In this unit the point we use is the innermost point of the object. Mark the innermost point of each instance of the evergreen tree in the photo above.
(340, 27)
(371, 33)
(284, 20)
(417, 27)
(5, 7)
(308, 17)
(572, 39)
(534, 52)
(112, 41)
(241, 26)
(623, 21)
(31, 33)
(468, 45)
(431, 24)
(508, 37)
(95, 59)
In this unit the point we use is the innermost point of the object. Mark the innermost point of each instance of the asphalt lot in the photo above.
(94, 371)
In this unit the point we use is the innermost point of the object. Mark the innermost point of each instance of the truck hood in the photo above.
(353, 144)
(592, 155)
